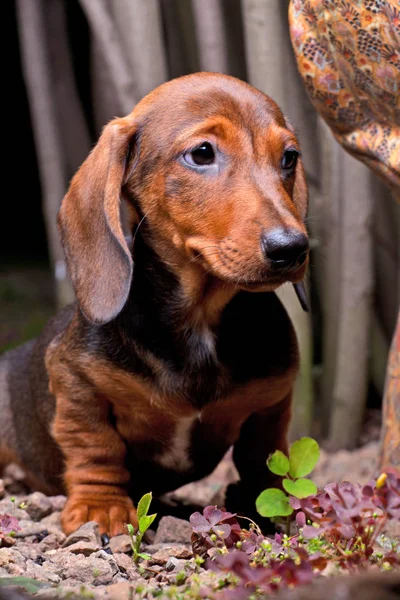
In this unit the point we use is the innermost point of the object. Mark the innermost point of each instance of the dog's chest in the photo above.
(176, 454)
(183, 448)
(163, 428)
(196, 377)
(200, 346)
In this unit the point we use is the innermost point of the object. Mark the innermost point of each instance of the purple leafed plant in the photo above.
(351, 517)
(276, 575)
(8, 524)
(340, 524)
(215, 528)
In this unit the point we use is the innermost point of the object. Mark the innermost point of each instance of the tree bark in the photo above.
(70, 118)
(232, 15)
(211, 35)
(351, 378)
(386, 237)
(106, 35)
(181, 47)
(329, 266)
(390, 434)
(106, 105)
(37, 75)
(302, 404)
(139, 26)
(263, 26)
(379, 352)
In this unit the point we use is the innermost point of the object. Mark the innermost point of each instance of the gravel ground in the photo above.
(85, 564)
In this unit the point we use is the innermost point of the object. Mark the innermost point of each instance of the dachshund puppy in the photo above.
(177, 347)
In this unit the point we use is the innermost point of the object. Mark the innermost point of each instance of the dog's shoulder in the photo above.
(54, 330)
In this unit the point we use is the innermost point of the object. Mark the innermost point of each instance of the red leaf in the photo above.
(300, 519)
(8, 524)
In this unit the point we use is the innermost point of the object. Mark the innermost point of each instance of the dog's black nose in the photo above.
(285, 247)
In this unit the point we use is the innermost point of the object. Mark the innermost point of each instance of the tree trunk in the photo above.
(139, 26)
(232, 15)
(181, 48)
(37, 75)
(108, 42)
(379, 352)
(211, 35)
(73, 128)
(390, 435)
(329, 267)
(263, 26)
(302, 406)
(106, 105)
(351, 378)
(386, 237)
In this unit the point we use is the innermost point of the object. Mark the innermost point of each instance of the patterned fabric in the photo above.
(348, 53)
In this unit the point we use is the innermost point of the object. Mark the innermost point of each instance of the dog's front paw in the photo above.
(109, 511)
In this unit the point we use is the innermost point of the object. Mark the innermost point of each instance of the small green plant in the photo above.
(144, 522)
(32, 586)
(303, 456)
(180, 578)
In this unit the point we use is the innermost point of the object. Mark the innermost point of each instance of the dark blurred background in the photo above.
(74, 64)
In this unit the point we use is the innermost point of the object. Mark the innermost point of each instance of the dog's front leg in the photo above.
(263, 433)
(95, 475)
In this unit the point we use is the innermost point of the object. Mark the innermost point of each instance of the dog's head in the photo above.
(214, 169)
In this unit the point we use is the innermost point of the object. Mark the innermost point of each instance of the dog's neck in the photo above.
(173, 307)
(197, 297)
(203, 296)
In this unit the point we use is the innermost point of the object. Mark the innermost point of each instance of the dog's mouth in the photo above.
(246, 273)
(266, 279)
(261, 285)
(270, 283)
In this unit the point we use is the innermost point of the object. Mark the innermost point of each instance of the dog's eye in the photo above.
(202, 155)
(289, 159)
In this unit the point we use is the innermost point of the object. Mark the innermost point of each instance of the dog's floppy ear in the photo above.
(98, 258)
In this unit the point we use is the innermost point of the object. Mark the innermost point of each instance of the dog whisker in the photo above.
(201, 254)
(137, 228)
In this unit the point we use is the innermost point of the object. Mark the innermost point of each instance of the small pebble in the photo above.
(41, 535)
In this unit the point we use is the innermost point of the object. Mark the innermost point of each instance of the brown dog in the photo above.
(169, 357)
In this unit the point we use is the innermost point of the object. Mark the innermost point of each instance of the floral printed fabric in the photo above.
(348, 53)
